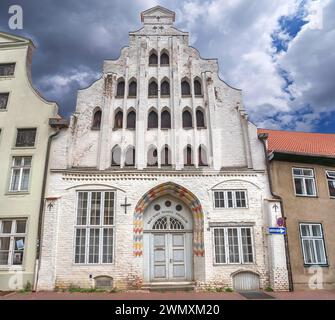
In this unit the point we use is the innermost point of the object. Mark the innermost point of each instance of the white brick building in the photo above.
(162, 133)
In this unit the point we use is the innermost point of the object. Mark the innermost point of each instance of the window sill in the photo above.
(116, 129)
(186, 96)
(187, 128)
(132, 97)
(131, 129)
(17, 193)
(198, 96)
(316, 265)
(7, 77)
(165, 96)
(306, 196)
(201, 128)
(152, 97)
(153, 65)
(92, 264)
(119, 97)
(95, 129)
(3, 109)
(22, 148)
(170, 128)
(231, 208)
(11, 268)
(233, 264)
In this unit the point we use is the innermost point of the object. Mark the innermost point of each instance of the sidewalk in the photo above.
(297, 295)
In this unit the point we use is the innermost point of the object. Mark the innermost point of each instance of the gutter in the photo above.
(58, 124)
(263, 137)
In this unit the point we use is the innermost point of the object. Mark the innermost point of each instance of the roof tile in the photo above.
(321, 144)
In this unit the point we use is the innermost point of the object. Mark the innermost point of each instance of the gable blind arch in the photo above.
(165, 88)
(153, 59)
(185, 88)
(200, 119)
(132, 89)
(166, 120)
(131, 120)
(187, 119)
(120, 89)
(118, 120)
(197, 88)
(97, 120)
(165, 60)
(153, 89)
(152, 120)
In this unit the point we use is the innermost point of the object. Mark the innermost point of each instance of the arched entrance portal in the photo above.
(192, 240)
(167, 239)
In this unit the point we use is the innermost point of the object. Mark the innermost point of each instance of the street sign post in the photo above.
(277, 230)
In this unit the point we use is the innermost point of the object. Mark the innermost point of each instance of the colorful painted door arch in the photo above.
(181, 193)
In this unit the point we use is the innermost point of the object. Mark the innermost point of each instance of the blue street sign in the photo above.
(276, 230)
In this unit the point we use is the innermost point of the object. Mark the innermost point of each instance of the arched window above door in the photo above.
(168, 223)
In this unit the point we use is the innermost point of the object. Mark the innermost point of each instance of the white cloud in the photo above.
(239, 34)
(63, 83)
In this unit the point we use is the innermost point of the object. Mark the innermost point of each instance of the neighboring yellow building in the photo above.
(24, 134)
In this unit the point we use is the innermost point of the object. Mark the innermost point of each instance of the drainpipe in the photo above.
(40, 217)
(263, 137)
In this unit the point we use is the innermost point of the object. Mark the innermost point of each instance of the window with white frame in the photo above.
(20, 173)
(233, 245)
(304, 182)
(331, 182)
(313, 246)
(230, 199)
(94, 234)
(12, 241)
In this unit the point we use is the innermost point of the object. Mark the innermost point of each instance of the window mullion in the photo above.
(20, 179)
(239, 239)
(225, 232)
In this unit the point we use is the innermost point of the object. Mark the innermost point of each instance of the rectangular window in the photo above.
(20, 173)
(4, 100)
(304, 182)
(94, 239)
(7, 69)
(331, 182)
(12, 241)
(230, 199)
(233, 245)
(313, 244)
(25, 138)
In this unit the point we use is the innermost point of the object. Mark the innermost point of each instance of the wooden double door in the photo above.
(170, 256)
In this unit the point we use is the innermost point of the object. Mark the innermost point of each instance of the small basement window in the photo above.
(103, 283)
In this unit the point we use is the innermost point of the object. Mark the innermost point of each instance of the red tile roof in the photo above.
(320, 144)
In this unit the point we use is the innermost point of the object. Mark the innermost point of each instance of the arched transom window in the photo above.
(168, 223)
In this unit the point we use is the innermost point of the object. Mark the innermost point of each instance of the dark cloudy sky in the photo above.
(281, 53)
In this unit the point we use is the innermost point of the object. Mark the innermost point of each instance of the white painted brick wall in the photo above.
(79, 146)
